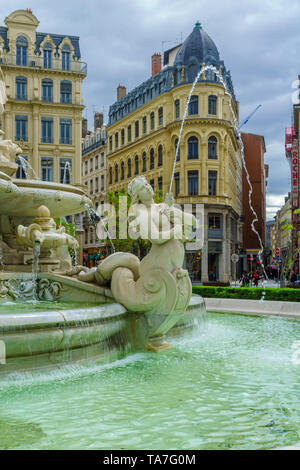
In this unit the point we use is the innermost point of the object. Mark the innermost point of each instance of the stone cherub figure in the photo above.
(8, 150)
(157, 285)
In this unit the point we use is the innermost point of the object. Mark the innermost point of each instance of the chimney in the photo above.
(84, 127)
(98, 121)
(121, 92)
(156, 63)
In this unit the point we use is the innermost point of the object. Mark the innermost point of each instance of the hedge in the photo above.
(252, 293)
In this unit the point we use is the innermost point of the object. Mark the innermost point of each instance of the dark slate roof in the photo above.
(196, 49)
(198, 45)
(56, 38)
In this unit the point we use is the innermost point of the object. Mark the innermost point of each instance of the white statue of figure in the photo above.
(157, 285)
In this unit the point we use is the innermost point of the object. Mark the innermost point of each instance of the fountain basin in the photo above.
(23, 197)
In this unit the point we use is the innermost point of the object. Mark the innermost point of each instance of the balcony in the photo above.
(35, 62)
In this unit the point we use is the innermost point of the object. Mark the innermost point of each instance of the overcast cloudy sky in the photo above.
(259, 42)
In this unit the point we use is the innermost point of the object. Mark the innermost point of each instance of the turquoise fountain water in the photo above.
(231, 385)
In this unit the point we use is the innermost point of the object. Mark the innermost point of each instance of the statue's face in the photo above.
(146, 194)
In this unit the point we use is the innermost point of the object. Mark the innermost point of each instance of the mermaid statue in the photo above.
(157, 286)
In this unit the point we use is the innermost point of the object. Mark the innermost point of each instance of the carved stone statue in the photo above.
(157, 285)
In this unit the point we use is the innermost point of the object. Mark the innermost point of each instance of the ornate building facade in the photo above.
(94, 169)
(43, 114)
(143, 132)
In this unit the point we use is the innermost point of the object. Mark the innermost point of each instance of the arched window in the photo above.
(212, 147)
(47, 90)
(175, 148)
(116, 140)
(144, 168)
(122, 171)
(110, 175)
(129, 168)
(66, 92)
(151, 159)
(122, 137)
(21, 88)
(48, 56)
(152, 123)
(177, 109)
(192, 148)
(136, 165)
(21, 50)
(160, 156)
(160, 116)
(193, 105)
(65, 57)
(212, 105)
(116, 173)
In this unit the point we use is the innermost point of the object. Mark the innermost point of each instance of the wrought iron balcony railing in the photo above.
(36, 62)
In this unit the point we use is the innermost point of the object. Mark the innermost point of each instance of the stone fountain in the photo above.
(134, 303)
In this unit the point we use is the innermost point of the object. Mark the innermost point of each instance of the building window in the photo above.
(192, 148)
(91, 186)
(144, 124)
(86, 167)
(212, 183)
(136, 126)
(102, 159)
(160, 183)
(21, 88)
(193, 183)
(21, 172)
(65, 57)
(48, 56)
(21, 50)
(122, 137)
(47, 130)
(110, 142)
(177, 109)
(122, 171)
(116, 140)
(65, 170)
(102, 182)
(136, 165)
(152, 123)
(21, 128)
(96, 184)
(178, 153)
(66, 92)
(116, 173)
(129, 168)
(144, 168)
(160, 156)
(47, 168)
(214, 222)
(212, 148)
(66, 131)
(212, 105)
(160, 116)
(91, 164)
(47, 90)
(151, 159)
(110, 175)
(152, 184)
(129, 133)
(193, 105)
(177, 183)
(96, 162)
